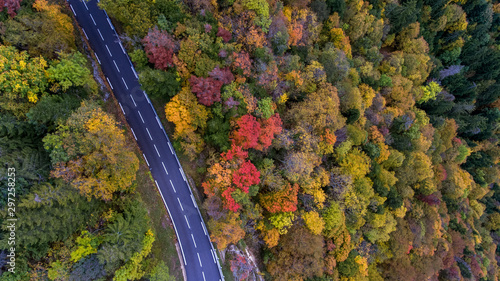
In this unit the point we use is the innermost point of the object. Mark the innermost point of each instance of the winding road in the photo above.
(199, 256)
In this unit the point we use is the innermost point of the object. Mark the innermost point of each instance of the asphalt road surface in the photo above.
(199, 256)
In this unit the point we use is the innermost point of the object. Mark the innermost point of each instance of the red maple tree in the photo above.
(206, 89)
(270, 127)
(247, 134)
(160, 48)
(224, 75)
(246, 176)
(226, 35)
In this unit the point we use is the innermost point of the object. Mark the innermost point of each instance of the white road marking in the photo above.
(122, 108)
(203, 226)
(110, 25)
(157, 152)
(171, 150)
(194, 242)
(116, 66)
(201, 265)
(157, 184)
(125, 83)
(85, 4)
(146, 96)
(102, 37)
(149, 134)
(213, 255)
(173, 186)
(192, 199)
(85, 33)
(135, 73)
(180, 204)
(109, 83)
(182, 173)
(92, 19)
(123, 49)
(133, 133)
(140, 115)
(133, 100)
(187, 222)
(108, 49)
(164, 168)
(203, 273)
(145, 159)
(72, 9)
(98, 60)
(159, 123)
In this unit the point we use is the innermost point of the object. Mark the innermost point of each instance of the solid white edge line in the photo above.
(187, 222)
(173, 187)
(92, 18)
(98, 60)
(213, 255)
(203, 226)
(121, 46)
(157, 152)
(72, 9)
(133, 133)
(159, 123)
(175, 228)
(145, 159)
(194, 202)
(101, 35)
(194, 242)
(125, 83)
(116, 66)
(201, 265)
(140, 115)
(171, 150)
(122, 108)
(164, 168)
(110, 83)
(150, 137)
(180, 204)
(184, 177)
(85, 33)
(135, 73)
(108, 49)
(146, 96)
(110, 25)
(85, 4)
(133, 100)
(157, 184)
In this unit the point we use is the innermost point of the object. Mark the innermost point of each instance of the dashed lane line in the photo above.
(106, 46)
(201, 265)
(180, 204)
(157, 152)
(151, 138)
(133, 100)
(92, 19)
(116, 66)
(164, 168)
(173, 187)
(194, 242)
(102, 37)
(187, 222)
(140, 115)
(125, 83)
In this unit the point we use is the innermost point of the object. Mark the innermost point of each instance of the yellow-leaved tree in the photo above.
(89, 151)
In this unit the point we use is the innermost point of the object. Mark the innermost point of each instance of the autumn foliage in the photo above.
(160, 48)
(206, 89)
